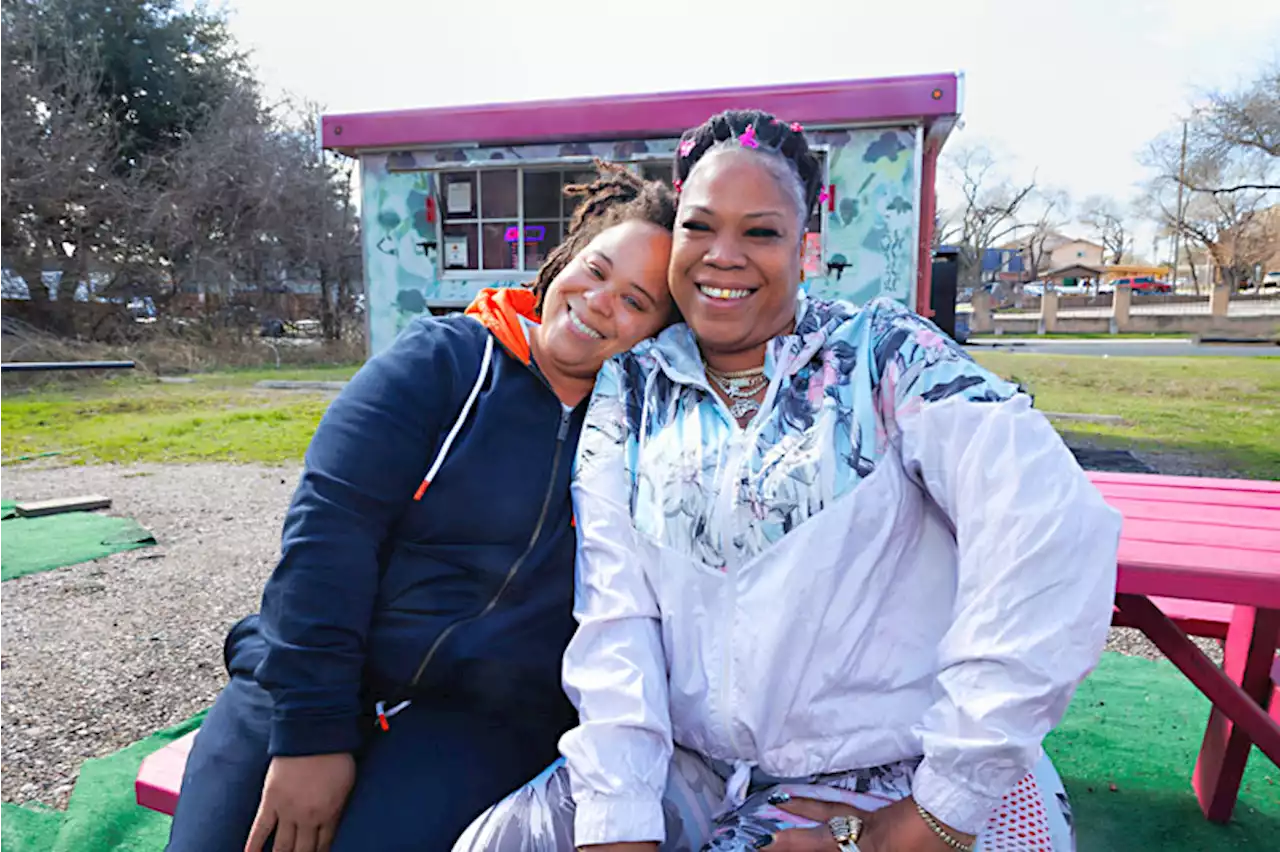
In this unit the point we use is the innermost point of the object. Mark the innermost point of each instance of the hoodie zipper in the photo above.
(561, 434)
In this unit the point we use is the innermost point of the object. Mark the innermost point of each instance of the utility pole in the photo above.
(1177, 231)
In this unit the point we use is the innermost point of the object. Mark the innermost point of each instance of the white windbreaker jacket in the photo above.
(898, 557)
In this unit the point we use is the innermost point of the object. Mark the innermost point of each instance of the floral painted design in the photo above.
(839, 384)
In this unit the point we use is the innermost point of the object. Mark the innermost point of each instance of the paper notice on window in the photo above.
(455, 252)
(458, 199)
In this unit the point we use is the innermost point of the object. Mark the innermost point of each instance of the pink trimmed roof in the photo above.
(928, 97)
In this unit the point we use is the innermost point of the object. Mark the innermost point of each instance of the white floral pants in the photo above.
(1034, 817)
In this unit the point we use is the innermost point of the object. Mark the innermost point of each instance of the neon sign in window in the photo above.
(532, 233)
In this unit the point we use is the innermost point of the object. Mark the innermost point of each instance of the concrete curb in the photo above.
(282, 384)
(1239, 341)
(1085, 418)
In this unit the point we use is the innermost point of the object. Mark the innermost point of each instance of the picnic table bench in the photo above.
(1197, 556)
(160, 776)
(1202, 544)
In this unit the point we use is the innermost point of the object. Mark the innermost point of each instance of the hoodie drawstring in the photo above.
(735, 791)
(383, 714)
(457, 424)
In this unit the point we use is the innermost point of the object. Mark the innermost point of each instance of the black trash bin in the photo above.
(942, 292)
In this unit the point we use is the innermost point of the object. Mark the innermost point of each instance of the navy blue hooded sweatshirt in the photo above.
(465, 594)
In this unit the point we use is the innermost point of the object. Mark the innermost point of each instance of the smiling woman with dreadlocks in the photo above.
(411, 635)
(835, 580)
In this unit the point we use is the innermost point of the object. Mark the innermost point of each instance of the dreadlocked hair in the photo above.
(772, 137)
(614, 197)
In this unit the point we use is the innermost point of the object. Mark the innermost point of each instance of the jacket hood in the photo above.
(500, 310)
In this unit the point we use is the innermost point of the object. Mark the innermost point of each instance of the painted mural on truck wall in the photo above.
(870, 238)
(867, 247)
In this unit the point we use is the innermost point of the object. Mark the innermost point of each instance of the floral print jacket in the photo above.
(898, 557)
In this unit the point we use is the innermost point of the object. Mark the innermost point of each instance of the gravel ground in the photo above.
(1167, 462)
(97, 656)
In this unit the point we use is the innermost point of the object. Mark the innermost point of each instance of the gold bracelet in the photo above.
(936, 828)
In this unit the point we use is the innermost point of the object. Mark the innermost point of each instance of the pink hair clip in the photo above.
(748, 138)
(686, 147)
(797, 127)
(824, 196)
(678, 184)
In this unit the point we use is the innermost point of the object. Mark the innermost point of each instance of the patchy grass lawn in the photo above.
(215, 417)
(1224, 409)
(248, 377)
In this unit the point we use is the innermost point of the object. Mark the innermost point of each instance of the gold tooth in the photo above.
(722, 293)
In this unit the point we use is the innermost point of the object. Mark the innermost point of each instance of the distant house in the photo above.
(51, 286)
(1252, 248)
(13, 286)
(999, 264)
(1058, 251)
(1003, 264)
(1069, 252)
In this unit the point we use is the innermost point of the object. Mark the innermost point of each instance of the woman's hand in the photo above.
(302, 801)
(896, 828)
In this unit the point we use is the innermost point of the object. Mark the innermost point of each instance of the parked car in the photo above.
(1140, 286)
(1076, 289)
(1152, 286)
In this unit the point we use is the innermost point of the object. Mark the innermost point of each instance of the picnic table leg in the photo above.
(1250, 653)
(1275, 688)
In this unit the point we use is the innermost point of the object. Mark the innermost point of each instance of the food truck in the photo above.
(455, 199)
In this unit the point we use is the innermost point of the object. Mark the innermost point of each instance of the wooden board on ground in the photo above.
(57, 506)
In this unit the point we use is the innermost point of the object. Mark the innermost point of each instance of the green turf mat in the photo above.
(1134, 724)
(29, 829)
(103, 813)
(8, 509)
(31, 545)
(1137, 725)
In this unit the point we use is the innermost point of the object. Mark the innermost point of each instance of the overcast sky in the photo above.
(1072, 90)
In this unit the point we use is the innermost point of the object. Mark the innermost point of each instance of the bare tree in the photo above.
(324, 237)
(1110, 222)
(1216, 174)
(1230, 228)
(1049, 210)
(252, 211)
(1246, 124)
(1230, 144)
(988, 213)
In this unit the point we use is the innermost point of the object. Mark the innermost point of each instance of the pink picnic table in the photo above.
(1202, 540)
(160, 776)
(1212, 540)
